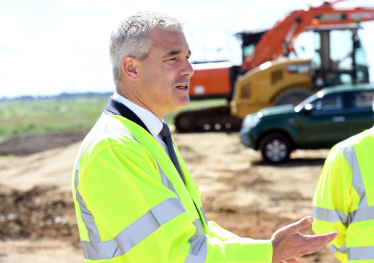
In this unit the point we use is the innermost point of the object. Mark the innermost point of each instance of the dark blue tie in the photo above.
(166, 137)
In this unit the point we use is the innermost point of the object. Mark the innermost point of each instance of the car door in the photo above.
(359, 115)
(324, 122)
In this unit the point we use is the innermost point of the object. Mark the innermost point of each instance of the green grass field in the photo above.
(37, 116)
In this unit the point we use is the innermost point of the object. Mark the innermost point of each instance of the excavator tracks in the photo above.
(216, 119)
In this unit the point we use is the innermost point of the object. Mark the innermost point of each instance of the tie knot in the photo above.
(165, 132)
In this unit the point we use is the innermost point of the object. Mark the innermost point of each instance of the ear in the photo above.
(130, 68)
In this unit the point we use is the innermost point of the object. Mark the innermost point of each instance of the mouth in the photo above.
(182, 87)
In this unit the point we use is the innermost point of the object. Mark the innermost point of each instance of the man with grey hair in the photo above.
(134, 196)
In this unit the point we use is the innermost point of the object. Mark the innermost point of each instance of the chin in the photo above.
(185, 101)
(181, 103)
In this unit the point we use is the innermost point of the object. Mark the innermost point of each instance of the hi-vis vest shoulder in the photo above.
(344, 199)
(132, 205)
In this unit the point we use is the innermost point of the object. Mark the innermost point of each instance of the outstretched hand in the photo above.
(288, 243)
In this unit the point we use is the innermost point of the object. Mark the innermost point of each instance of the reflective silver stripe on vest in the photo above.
(362, 214)
(364, 211)
(134, 233)
(334, 249)
(165, 181)
(198, 245)
(198, 250)
(329, 215)
(360, 253)
(203, 212)
(199, 229)
(357, 183)
(198, 242)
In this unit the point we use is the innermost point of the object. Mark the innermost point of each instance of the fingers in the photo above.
(297, 245)
(315, 243)
(288, 242)
(332, 235)
(295, 227)
(327, 238)
(323, 239)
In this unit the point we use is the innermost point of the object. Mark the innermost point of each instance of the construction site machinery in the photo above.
(268, 76)
(338, 59)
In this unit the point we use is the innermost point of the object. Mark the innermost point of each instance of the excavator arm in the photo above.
(277, 41)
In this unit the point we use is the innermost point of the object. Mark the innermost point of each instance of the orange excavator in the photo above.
(268, 77)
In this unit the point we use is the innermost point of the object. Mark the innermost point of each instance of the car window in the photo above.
(331, 102)
(363, 99)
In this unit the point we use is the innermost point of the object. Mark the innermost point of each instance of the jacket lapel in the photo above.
(116, 108)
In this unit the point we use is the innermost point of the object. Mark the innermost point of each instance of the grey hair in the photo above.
(133, 38)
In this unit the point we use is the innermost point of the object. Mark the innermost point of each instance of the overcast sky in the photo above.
(53, 46)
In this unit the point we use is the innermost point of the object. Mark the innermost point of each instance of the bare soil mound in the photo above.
(36, 214)
(21, 146)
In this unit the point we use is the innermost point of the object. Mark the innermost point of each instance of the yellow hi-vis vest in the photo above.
(344, 199)
(132, 205)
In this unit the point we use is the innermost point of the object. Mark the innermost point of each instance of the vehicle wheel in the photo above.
(275, 148)
(292, 96)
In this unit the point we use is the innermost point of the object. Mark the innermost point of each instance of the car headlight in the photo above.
(251, 120)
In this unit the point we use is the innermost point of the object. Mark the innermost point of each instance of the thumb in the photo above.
(305, 222)
(302, 223)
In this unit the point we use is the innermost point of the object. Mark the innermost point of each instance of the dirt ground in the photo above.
(239, 191)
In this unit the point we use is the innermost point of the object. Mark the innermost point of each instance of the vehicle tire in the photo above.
(292, 96)
(275, 148)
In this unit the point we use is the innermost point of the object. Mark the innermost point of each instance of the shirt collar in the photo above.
(150, 120)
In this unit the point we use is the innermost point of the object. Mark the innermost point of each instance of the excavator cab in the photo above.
(338, 56)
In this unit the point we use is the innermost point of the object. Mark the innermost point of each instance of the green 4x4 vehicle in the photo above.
(322, 120)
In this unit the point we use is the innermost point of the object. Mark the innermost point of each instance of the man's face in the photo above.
(164, 76)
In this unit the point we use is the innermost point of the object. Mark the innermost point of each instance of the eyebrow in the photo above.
(175, 52)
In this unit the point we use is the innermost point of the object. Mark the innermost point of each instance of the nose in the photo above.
(187, 69)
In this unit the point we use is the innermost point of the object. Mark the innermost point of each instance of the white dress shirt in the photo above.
(150, 120)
